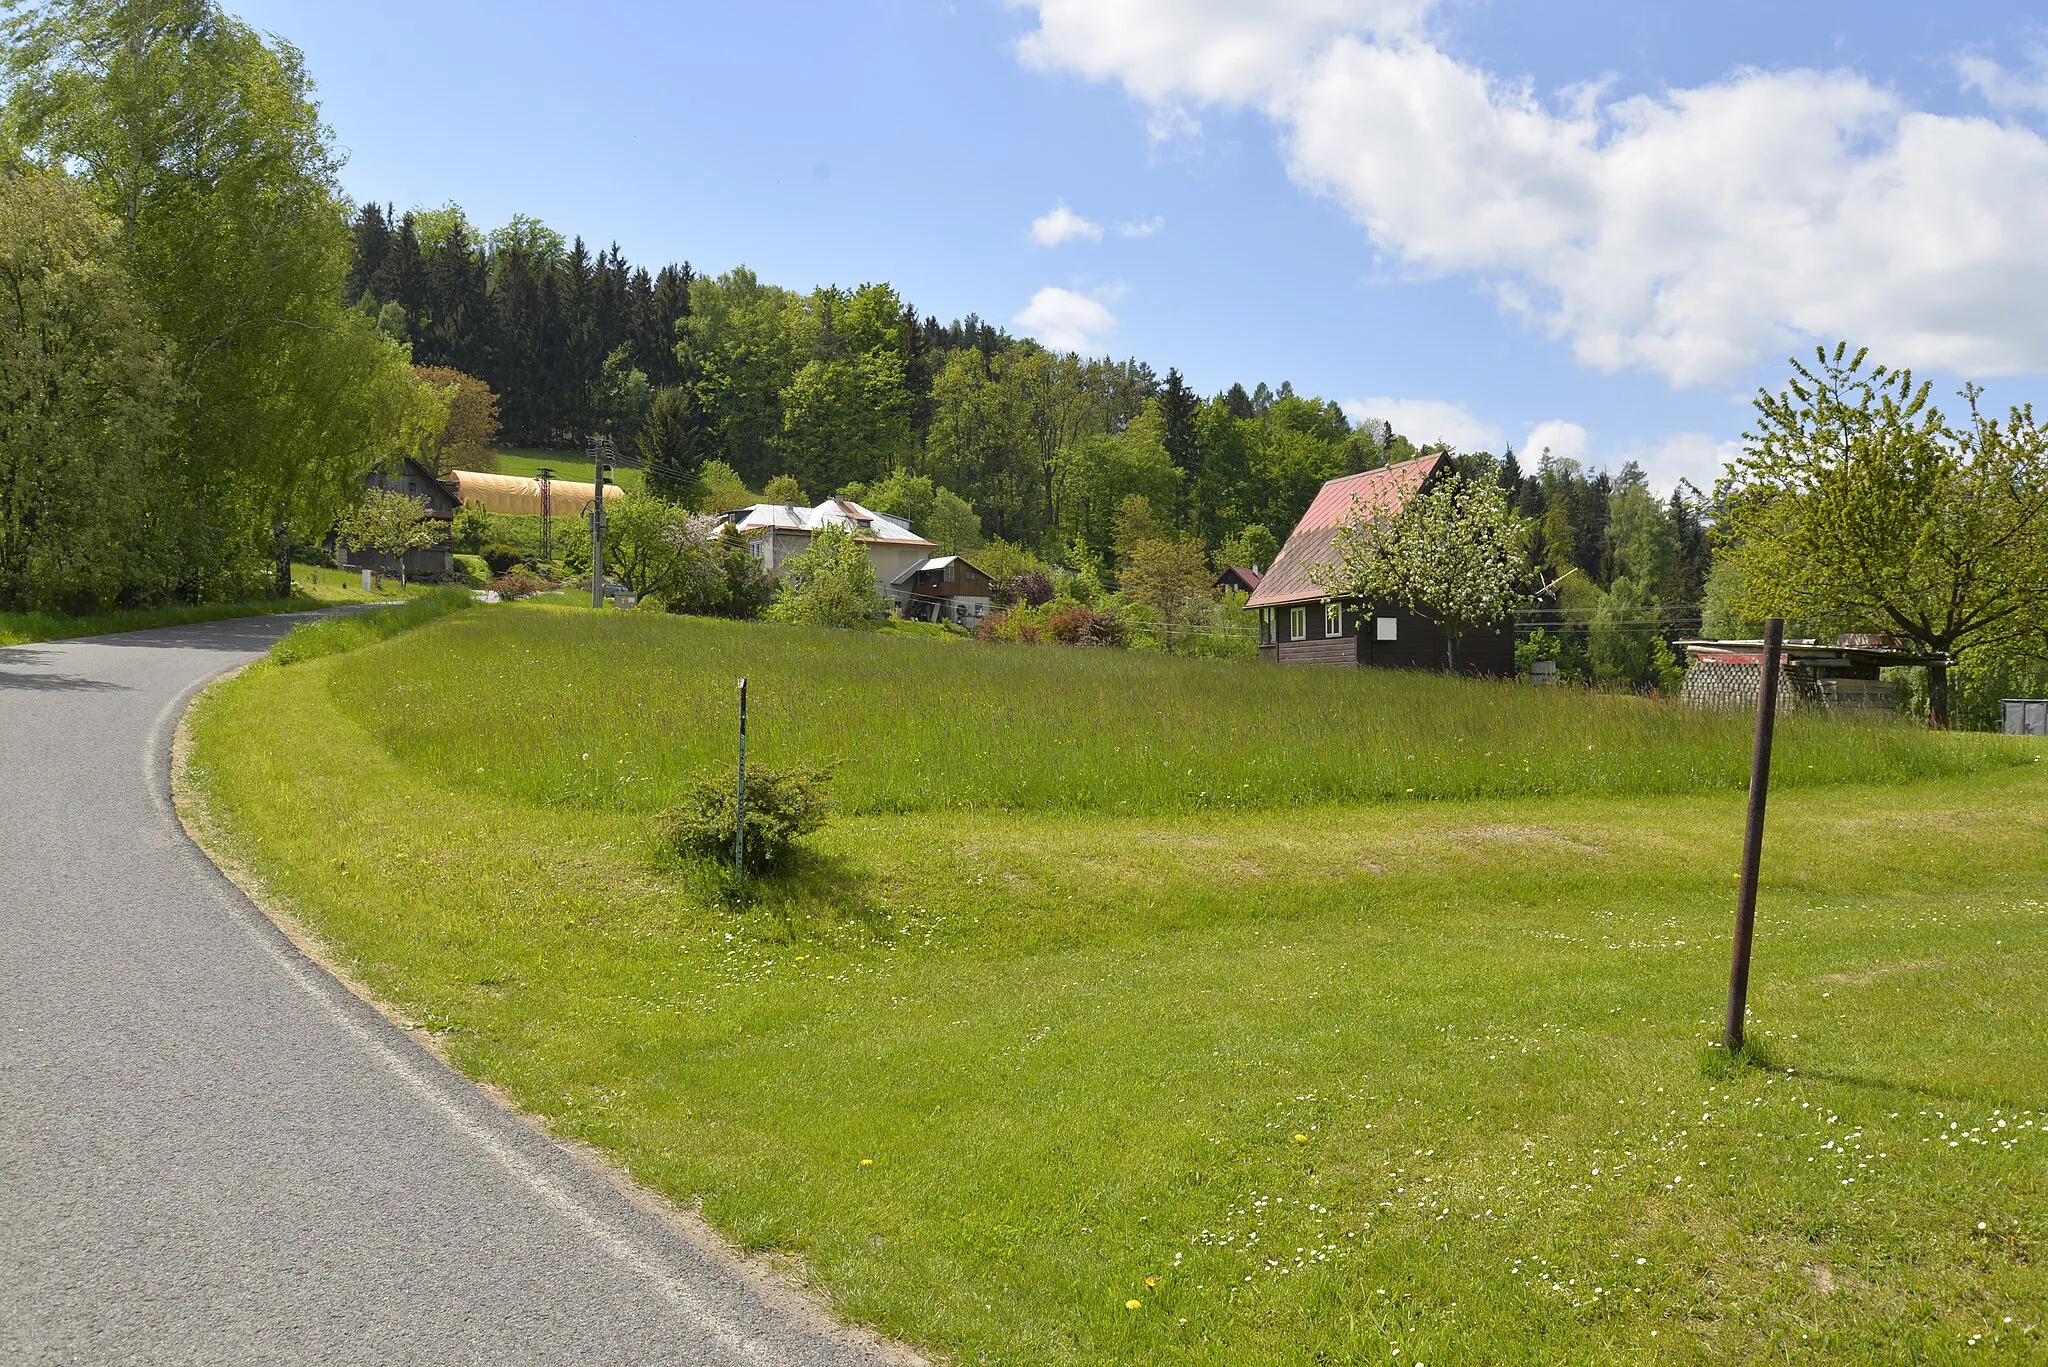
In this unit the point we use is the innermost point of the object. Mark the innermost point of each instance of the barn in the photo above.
(1300, 623)
(437, 496)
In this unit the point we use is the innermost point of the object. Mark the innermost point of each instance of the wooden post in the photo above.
(1753, 838)
(739, 837)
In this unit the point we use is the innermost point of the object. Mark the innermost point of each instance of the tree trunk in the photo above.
(1937, 696)
(281, 560)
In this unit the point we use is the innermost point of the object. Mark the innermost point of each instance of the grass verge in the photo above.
(21, 628)
(1305, 1084)
(336, 635)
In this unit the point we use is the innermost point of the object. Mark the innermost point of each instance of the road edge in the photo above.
(780, 1283)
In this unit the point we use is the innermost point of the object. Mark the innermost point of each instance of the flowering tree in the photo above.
(389, 523)
(1857, 506)
(1449, 552)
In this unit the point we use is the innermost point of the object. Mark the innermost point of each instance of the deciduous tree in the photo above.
(1857, 505)
(1448, 552)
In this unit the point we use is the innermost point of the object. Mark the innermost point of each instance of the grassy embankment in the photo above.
(1320, 1014)
(312, 587)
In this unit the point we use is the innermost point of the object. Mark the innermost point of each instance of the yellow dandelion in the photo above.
(867, 1162)
(1134, 1305)
(1301, 1139)
(1151, 1281)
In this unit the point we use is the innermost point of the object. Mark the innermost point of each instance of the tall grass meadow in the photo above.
(567, 708)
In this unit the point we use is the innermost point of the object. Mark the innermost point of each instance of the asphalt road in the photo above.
(210, 1152)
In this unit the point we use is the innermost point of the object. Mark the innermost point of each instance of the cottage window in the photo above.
(1333, 619)
(1385, 628)
(1265, 626)
(1297, 625)
(949, 574)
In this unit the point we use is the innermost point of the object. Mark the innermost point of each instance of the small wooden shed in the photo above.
(1844, 676)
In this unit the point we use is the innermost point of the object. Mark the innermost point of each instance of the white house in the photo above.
(779, 532)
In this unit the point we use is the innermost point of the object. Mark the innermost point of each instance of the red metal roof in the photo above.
(1290, 578)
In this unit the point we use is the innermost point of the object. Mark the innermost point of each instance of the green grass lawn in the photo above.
(1321, 1072)
(327, 586)
(528, 462)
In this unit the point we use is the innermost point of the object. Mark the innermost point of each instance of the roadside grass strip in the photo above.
(25, 628)
(338, 634)
(1383, 1080)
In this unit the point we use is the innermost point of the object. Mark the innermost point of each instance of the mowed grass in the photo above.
(326, 585)
(613, 711)
(1309, 1084)
(527, 463)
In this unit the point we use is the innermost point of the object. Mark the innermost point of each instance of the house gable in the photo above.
(1291, 577)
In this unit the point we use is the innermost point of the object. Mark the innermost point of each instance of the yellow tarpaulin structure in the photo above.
(521, 497)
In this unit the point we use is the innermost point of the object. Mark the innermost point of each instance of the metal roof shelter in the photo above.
(1843, 676)
(1291, 576)
(519, 497)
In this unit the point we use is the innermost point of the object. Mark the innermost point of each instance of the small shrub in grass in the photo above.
(472, 570)
(1077, 624)
(501, 557)
(783, 805)
(517, 583)
(1017, 625)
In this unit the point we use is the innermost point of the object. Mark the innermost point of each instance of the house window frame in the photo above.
(1267, 626)
(1386, 628)
(1333, 620)
(1297, 624)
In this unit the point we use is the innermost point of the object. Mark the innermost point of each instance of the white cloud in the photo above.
(1564, 440)
(1212, 51)
(2003, 89)
(1065, 321)
(1063, 225)
(1689, 455)
(1423, 421)
(1695, 233)
(1150, 227)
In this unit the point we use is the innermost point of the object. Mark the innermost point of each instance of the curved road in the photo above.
(210, 1152)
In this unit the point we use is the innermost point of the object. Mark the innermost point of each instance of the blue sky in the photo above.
(1599, 225)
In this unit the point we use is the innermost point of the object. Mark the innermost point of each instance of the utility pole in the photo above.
(600, 458)
(1753, 839)
(547, 514)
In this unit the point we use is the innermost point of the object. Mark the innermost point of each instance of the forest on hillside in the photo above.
(838, 388)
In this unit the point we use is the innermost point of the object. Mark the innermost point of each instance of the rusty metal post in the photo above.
(739, 835)
(1753, 838)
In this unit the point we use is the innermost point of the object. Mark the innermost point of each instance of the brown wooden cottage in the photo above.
(1239, 578)
(947, 588)
(1301, 623)
(442, 500)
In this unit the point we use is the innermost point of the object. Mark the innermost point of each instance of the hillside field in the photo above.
(527, 463)
(1139, 1010)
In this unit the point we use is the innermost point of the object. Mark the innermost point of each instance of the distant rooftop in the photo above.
(840, 512)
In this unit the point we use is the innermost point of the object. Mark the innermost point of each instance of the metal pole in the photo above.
(598, 447)
(547, 513)
(1753, 839)
(739, 839)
